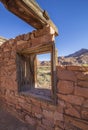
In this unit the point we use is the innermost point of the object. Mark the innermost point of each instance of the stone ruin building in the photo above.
(65, 107)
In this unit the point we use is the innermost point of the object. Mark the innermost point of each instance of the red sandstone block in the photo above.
(40, 128)
(59, 67)
(46, 30)
(81, 91)
(22, 37)
(21, 42)
(38, 116)
(10, 100)
(57, 128)
(0, 57)
(46, 39)
(84, 114)
(12, 62)
(6, 49)
(50, 107)
(83, 83)
(59, 124)
(60, 108)
(72, 111)
(7, 54)
(75, 124)
(85, 104)
(49, 128)
(23, 46)
(71, 99)
(48, 114)
(26, 107)
(27, 36)
(66, 75)
(13, 55)
(36, 109)
(48, 122)
(44, 127)
(58, 116)
(44, 105)
(30, 120)
(21, 100)
(65, 87)
(61, 103)
(11, 41)
(1, 50)
(18, 107)
(19, 37)
(77, 68)
(35, 102)
(82, 76)
(28, 100)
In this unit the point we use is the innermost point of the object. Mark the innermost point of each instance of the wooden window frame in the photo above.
(48, 48)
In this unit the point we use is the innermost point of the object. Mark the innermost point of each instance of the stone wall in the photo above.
(72, 92)
(71, 110)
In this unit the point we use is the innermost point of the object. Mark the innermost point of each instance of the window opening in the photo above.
(36, 71)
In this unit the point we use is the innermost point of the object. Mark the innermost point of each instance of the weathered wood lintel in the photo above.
(30, 12)
(47, 48)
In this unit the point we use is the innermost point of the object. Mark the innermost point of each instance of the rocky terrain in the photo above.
(78, 58)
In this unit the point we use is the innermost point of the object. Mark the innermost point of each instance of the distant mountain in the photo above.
(78, 53)
(78, 58)
(43, 63)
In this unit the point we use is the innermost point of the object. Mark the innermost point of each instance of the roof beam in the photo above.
(30, 12)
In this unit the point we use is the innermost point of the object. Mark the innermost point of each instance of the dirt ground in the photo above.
(9, 122)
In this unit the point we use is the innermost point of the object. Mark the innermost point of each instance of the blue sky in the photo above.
(70, 17)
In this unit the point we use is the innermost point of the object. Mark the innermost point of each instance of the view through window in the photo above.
(44, 71)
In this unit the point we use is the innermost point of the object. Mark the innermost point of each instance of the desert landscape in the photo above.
(79, 58)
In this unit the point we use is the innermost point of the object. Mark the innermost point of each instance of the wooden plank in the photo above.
(53, 67)
(37, 50)
(40, 51)
(30, 12)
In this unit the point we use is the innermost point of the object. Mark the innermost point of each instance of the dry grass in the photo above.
(44, 77)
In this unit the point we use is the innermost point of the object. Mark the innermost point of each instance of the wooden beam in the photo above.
(39, 50)
(30, 12)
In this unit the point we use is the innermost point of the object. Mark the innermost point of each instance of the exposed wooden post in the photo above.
(53, 65)
(56, 56)
(35, 71)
